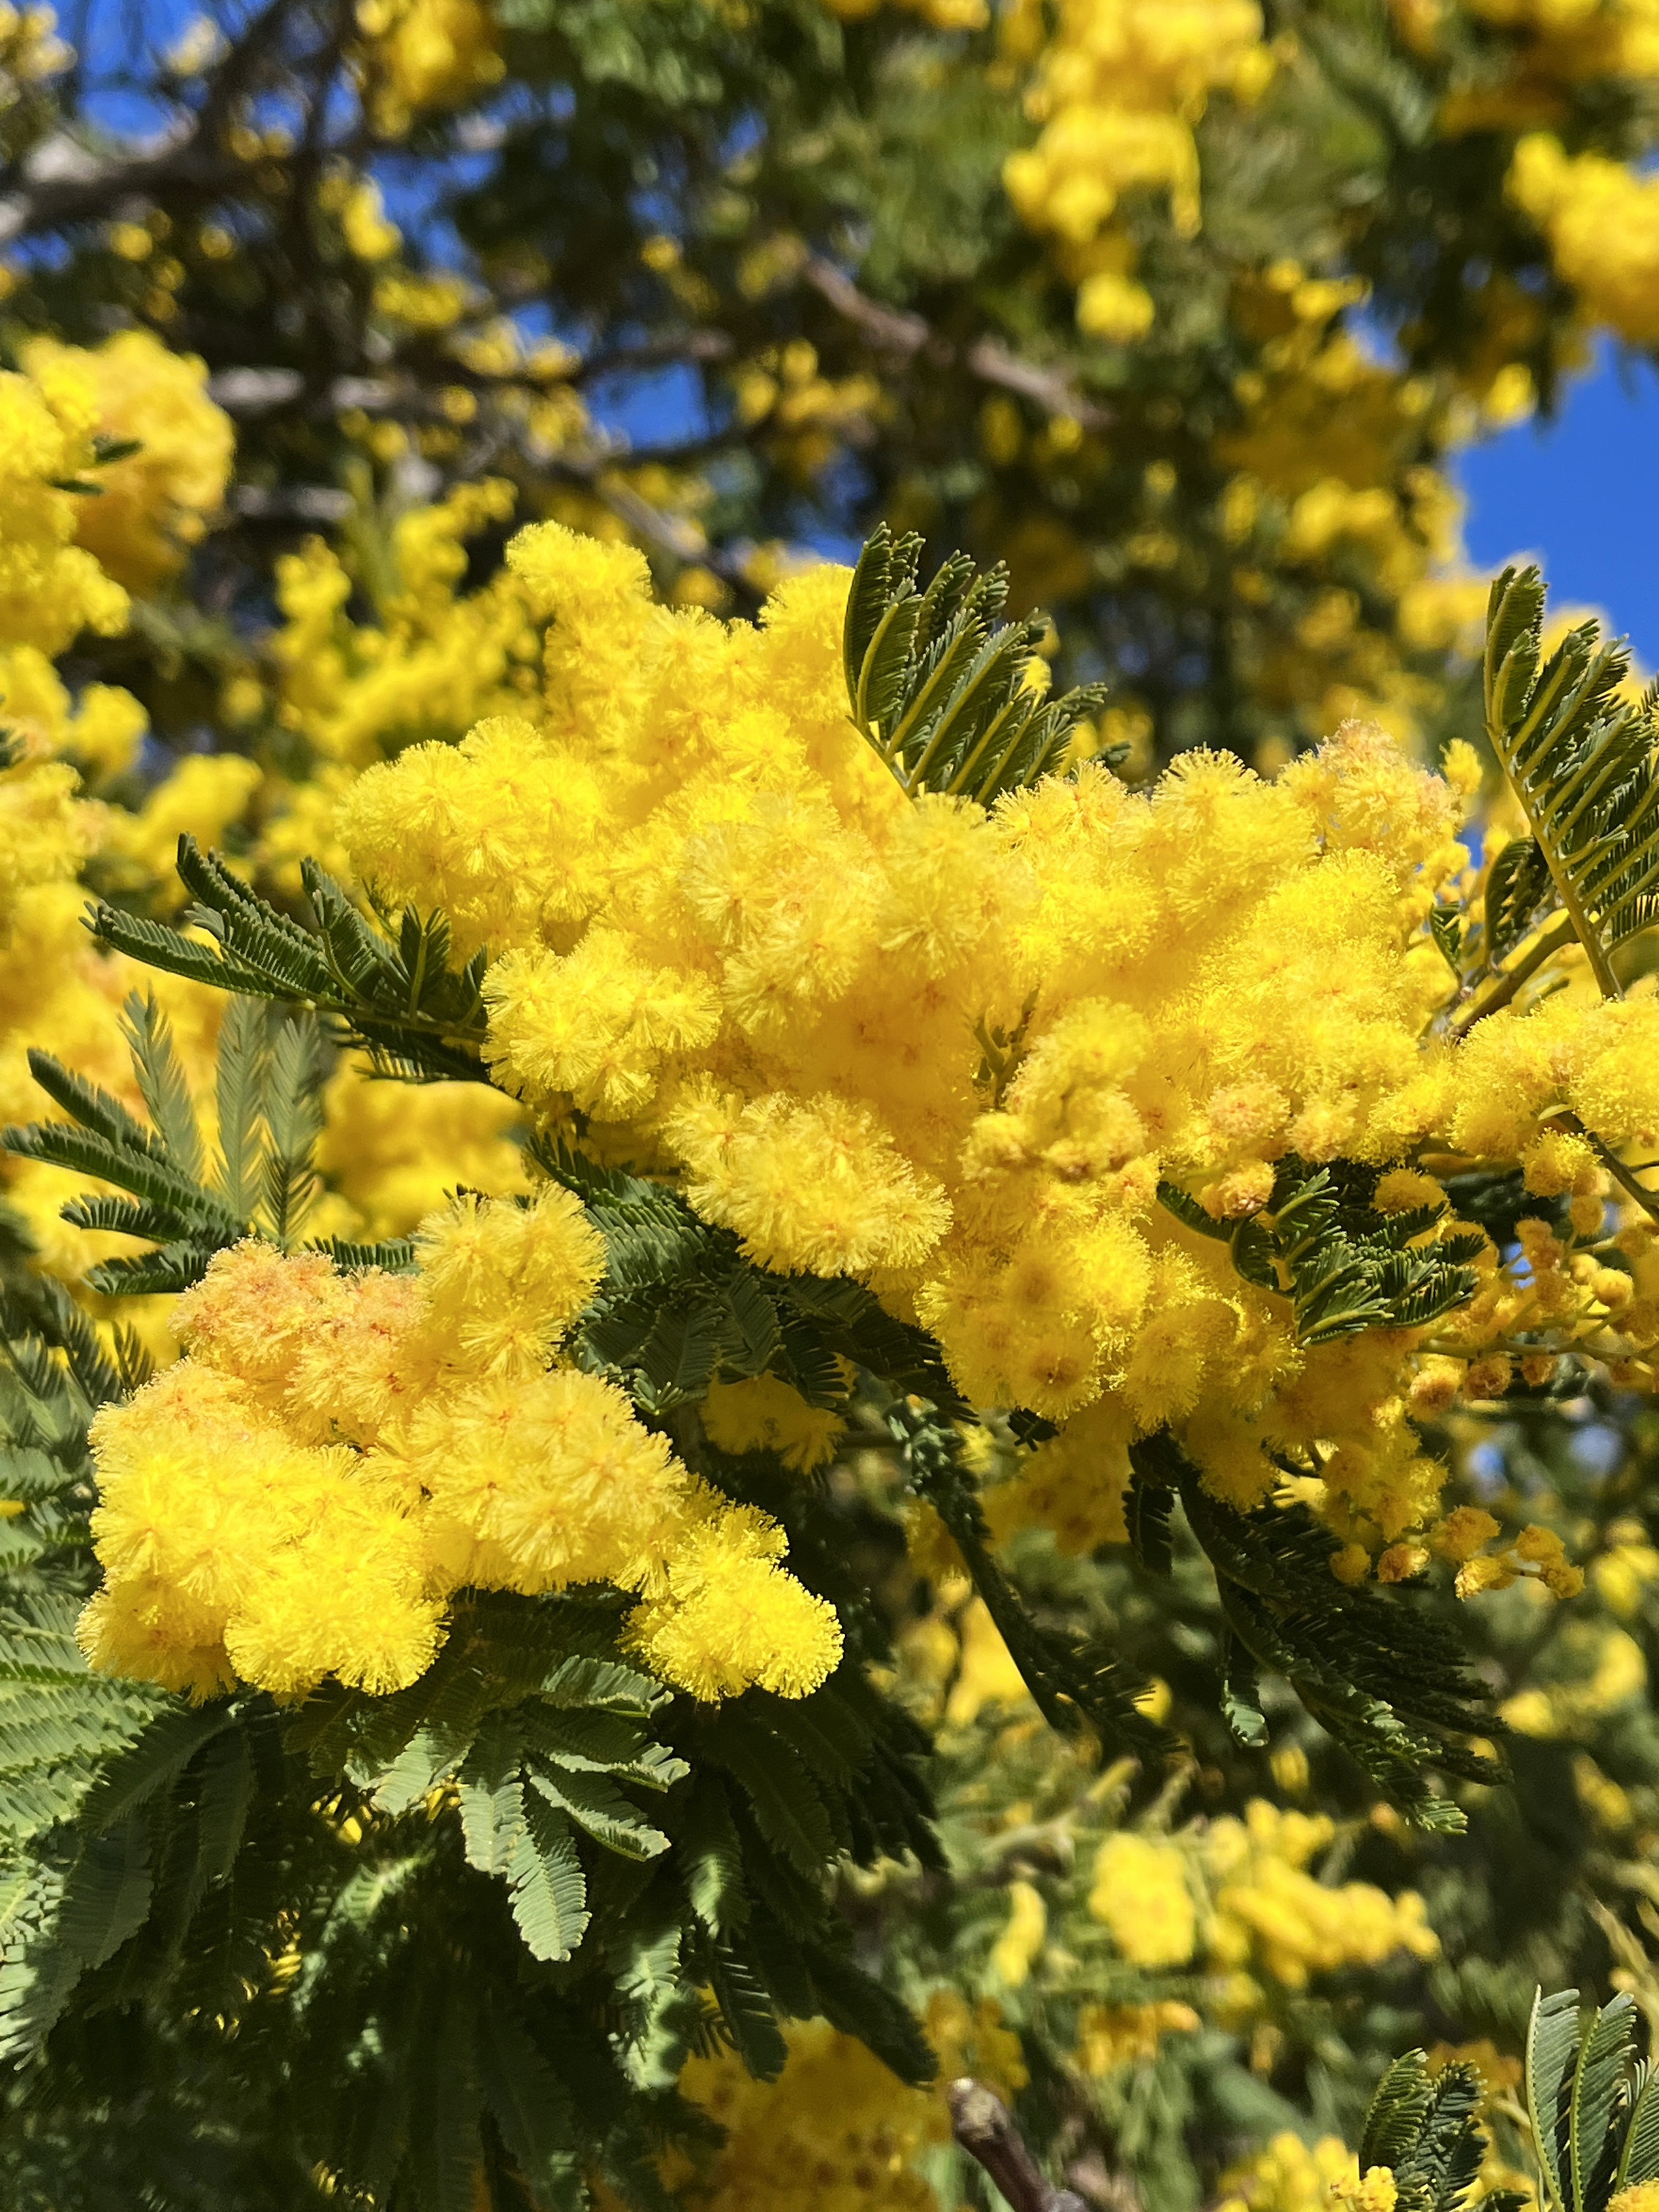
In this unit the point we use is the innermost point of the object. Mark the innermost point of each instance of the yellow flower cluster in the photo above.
(1117, 92)
(1142, 1893)
(55, 561)
(1327, 472)
(1238, 1892)
(300, 1495)
(426, 54)
(727, 946)
(1554, 46)
(30, 49)
(836, 2124)
(1272, 1917)
(1110, 2036)
(429, 667)
(50, 588)
(1288, 2175)
(153, 504)
(1601, 220)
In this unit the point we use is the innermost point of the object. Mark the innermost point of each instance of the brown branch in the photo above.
(669, 350)
(983, 2124)
(897, 331)
(64, 182)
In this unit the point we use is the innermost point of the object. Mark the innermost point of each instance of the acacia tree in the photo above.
(863, 1396)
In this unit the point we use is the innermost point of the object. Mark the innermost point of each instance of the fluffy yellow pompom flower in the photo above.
(597, 1026)
(337, 1453)
(764, 1414)
(1142, 1893)
(230, 1547)
(812, 1183)
(555, 1476)
(154, 503)
(505, 1282)
(729, 1615)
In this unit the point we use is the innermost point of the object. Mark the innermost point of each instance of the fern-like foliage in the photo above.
(1580, 760)
(392, 991)
(1424, 2128)
(1388, 1682)
(938, 686)
(1594, 2107)
(1344, 1267)
(187, 1200)
(681, 1308)
(1073, 1685)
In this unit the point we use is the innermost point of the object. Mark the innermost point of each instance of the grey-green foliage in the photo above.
(262, 1174)
(1344, 1267)
(391, 990)
(1594, 2109)
(1389, 1680)
(1425, 2129)
(938, 686)
(1580, 760)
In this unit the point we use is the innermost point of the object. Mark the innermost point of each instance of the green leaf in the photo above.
(106, 1898)
(659, 2005)
(1241, 1696)
(92, 1109)
(599, 1809)
(1599, 2085)
(244, 1062)
(779, 1789)
(1519, 888)
(1580, 761)
(1147, 1507)
(599, 1742)
(603, 1684)
(708, 1858)
(1552, 2047)
(532, 2107)
(854, 2002)
(1446, 928)
(161, 1083)
(492, 1802)
(937, 688)
(160, 1755)
(445, 2151)
(293, 1122)
(747, 2010)
(550, 1892)
(1639, 2159)
(1394, 2119)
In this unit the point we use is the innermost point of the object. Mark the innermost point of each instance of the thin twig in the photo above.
(983, 2125)
(1623, 1176)
(898, 331)
(1510, 982)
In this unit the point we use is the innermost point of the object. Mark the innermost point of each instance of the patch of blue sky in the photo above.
(1581, 495)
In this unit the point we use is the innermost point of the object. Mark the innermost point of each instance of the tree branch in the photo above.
(983, 2124)
(897, 330)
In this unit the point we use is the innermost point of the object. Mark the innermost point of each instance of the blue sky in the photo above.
(1583, 494)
